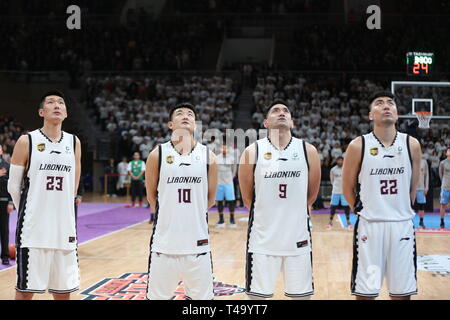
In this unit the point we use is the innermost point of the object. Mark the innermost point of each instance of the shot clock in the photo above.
(419, 64)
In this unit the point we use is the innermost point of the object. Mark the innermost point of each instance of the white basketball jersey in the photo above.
(182, 212)
(278, 223)
(385, 180)
(336, 173)
(47, 208)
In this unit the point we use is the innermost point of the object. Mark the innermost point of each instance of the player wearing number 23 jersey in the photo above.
(43, 182)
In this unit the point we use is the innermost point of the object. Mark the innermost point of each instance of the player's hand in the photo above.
(9, 208)
(426, 191)
(3, 172)
(78, 200)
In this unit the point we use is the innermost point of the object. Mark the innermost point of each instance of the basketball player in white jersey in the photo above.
(337, 198)
(380, 175)
(444, 174)
(422, 190)
(181, 182)
(279, 178)
(44, 178)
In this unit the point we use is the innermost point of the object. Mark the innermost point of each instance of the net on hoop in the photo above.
(424, 118)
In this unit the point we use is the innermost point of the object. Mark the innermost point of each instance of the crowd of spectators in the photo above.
(252, 6)
(10, 131)
(134, 111)
(329, 113)
(161, 45)
(325, 47)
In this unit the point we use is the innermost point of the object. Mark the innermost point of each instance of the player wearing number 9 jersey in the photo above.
(44, 179)
(181, 182)
(380, 175)
(279, 177)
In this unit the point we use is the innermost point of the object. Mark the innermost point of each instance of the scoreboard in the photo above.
(419, 63)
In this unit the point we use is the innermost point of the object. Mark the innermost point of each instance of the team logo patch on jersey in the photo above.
(364, 239)
(268, 155)
(169, 159)
(133, 286)
(295, 156)
(374, 151)
(41, 147)
(203, 242)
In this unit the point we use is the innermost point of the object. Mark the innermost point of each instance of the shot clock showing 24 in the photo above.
(419, 63)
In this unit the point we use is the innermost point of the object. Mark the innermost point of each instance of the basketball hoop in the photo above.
(424, 118)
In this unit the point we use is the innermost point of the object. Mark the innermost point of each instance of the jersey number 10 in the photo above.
(184, 195)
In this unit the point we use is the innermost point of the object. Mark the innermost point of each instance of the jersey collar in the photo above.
(50, 140)
(379, 141)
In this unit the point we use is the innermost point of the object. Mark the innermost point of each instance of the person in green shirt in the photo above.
(136, 170)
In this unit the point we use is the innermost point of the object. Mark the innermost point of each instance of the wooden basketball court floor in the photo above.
(127, 251)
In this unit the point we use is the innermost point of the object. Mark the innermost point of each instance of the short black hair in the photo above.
(340, 157)
(182, 105)
(50, 93)
(275, 102)
(378, 94)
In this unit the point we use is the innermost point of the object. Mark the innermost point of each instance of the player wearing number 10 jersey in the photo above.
(385, 165)
(279, 178)
(181, 182)
(44, 177)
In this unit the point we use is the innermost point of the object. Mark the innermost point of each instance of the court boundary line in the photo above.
(90, 240)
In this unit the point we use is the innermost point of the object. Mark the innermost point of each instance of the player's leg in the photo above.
(197, 276)
(261, 275)
(333, 204)
(420, 197)
(297, 273)
(220, 197)
(402, 260)
(231, 200)
(33, 271)
(346, 207)
(133, 192)
(4, 232)
(445, 195)
(140, 190)
(368, 259)
(64, 274)
(163, 276)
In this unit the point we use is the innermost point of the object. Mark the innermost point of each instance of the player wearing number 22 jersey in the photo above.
(279, 178)
(380, 175)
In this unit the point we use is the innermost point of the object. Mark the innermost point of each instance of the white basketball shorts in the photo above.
(166, 270)
(262, 272)
(54, 270)
(384, 249)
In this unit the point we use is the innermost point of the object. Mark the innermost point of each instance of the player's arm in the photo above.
(152, 178)
(441, 170)
(19, 161)
(331, 176)
(350, 170)
(246, 175)
(77, 164)
(213, 174)
(426, 178)
(416, 155)
(314, 173)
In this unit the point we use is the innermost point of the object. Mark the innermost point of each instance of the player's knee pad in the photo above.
(220, 206)
(421, 206)
(333, 209)
(231, 205)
